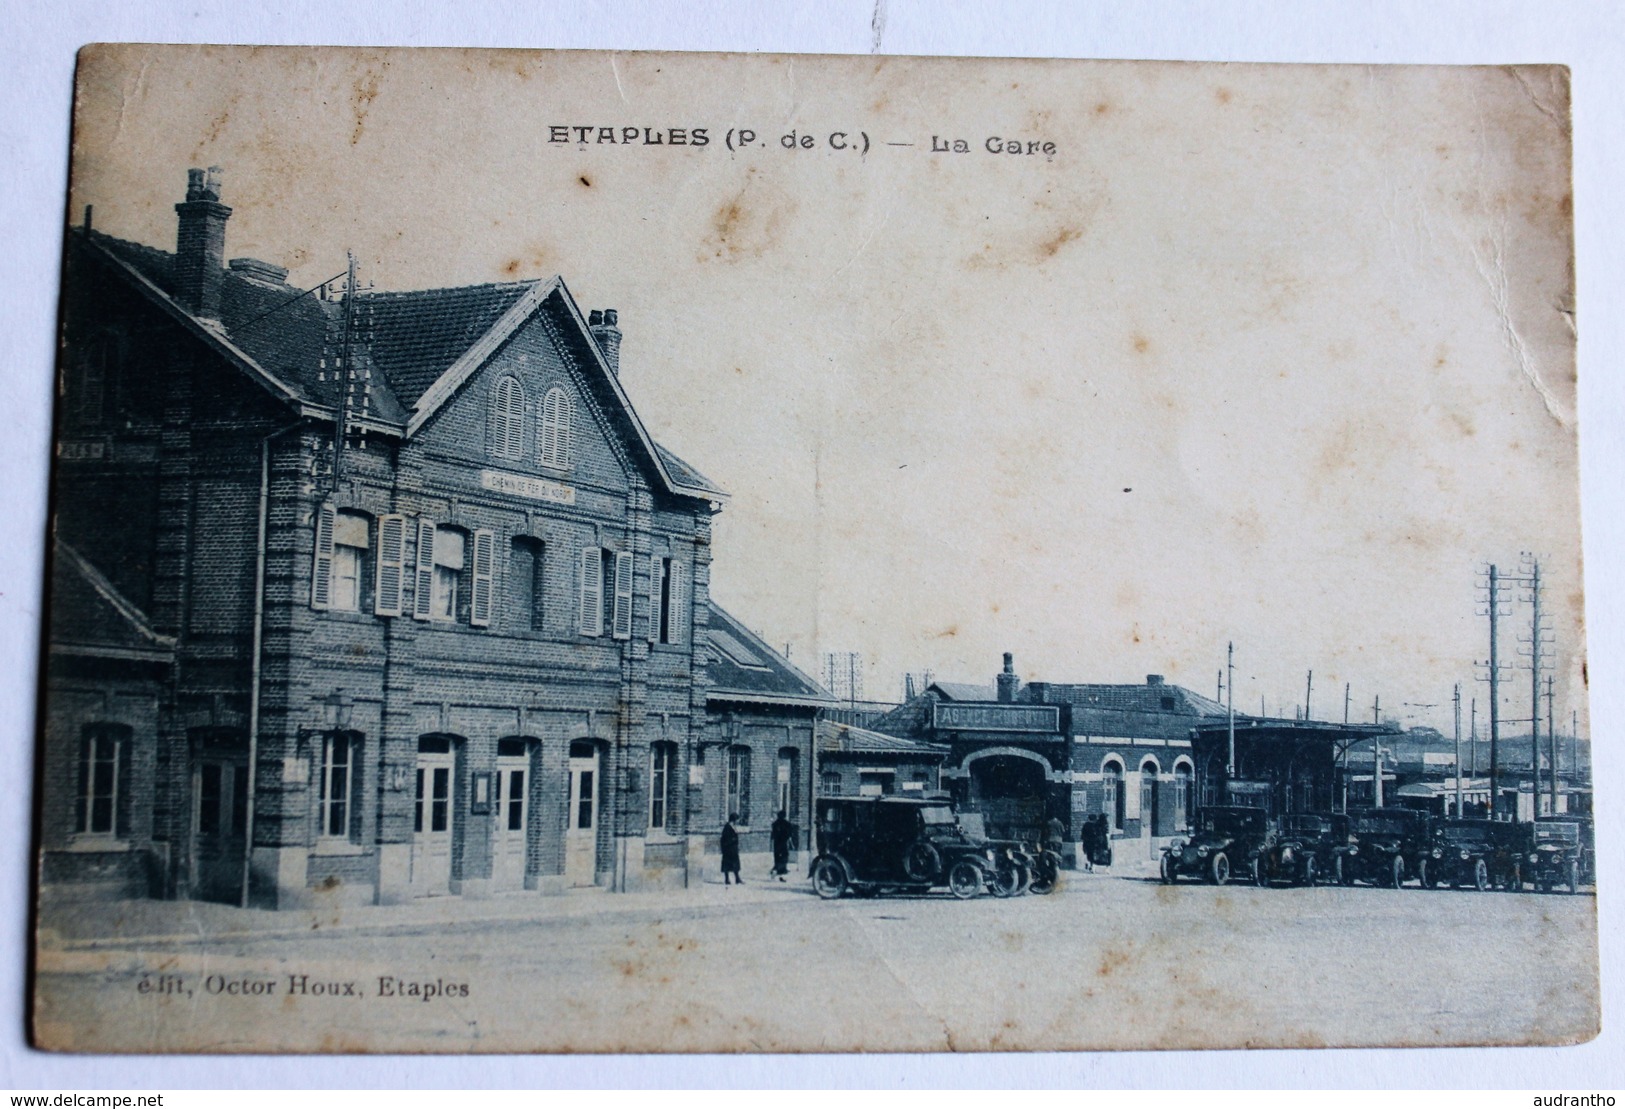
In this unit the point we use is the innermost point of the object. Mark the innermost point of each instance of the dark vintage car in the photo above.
(876, 844)
(1227, 842)
(1310, 848)
(1474, 853)
(1395, 845)
(1560, 854)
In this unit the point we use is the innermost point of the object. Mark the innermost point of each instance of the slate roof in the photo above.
(833, 737)
(102, 620)
(966, 691)
(419, 334)
(1124, 698)
(412, 340)
(740, 666)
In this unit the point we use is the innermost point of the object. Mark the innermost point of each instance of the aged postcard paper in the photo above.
(604, 552)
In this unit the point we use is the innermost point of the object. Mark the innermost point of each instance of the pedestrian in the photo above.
(1054, 834)
(784, 842)
(730, 851)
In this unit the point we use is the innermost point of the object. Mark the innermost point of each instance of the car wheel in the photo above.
(1396, 875)
(1481, 875)
(1218, 869)
(1309, 875)
(1259, 875)
(1007, 880)
(965, 880)
(829, 878)
(1574, 877)
(1168, 875)
(922, 862)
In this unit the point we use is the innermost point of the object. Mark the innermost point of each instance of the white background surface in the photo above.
(38, 48)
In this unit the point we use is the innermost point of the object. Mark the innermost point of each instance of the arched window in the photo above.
(558, 429)
(508, 419)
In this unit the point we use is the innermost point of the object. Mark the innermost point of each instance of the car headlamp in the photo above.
(1464, 856)
(1438, 854)
(1176, 849)
(1534, 858)
(1201, 852)
(1355, 850)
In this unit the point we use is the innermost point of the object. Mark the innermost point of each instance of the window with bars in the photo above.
(508, 419)
(557, 429)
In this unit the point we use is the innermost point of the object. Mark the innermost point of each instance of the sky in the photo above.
(1278, 356)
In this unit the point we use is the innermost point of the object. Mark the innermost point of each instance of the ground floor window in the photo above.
(102, 753)
(738, 791)
(662, 764)
(1113, 799)
(336, 803)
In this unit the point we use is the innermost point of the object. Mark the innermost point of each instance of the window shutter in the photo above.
(592, 591)
(656, 564)
(677, 620)
(424, 585)
(623, 595)
(479, 608)
(321, 574)
(391, 557)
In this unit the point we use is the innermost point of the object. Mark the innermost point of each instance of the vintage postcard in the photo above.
(575, 552)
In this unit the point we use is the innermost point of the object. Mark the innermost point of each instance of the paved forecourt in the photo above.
(1109, 962)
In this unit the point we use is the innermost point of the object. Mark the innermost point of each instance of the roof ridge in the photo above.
(381, 293)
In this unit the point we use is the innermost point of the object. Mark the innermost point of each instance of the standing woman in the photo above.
(730, 851)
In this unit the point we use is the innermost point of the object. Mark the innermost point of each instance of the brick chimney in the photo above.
(200, 244)
(1153, 679)
(1007, 679)
(605, 328)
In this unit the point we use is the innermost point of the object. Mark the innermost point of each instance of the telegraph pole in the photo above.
(1495, 693)
(1551, 744)
(1230, 713)
(1472, 738)
(1308, 692)
(1534, 694)
(1455, 697)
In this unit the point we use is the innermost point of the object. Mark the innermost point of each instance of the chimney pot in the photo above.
(604, 327)
(200, 244)
(1153, 679)
(1007, 680)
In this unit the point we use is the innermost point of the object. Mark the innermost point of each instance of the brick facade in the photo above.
(451, 652)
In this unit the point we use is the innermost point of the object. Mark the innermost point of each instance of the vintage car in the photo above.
(1395, 845)
(1310, 848)
(870, 845)
(1471, 853)
(1228, 841)
(1560, 854)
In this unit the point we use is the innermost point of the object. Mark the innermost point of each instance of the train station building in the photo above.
(362, 596)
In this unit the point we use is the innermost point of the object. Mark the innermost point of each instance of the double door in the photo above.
(581, 816)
